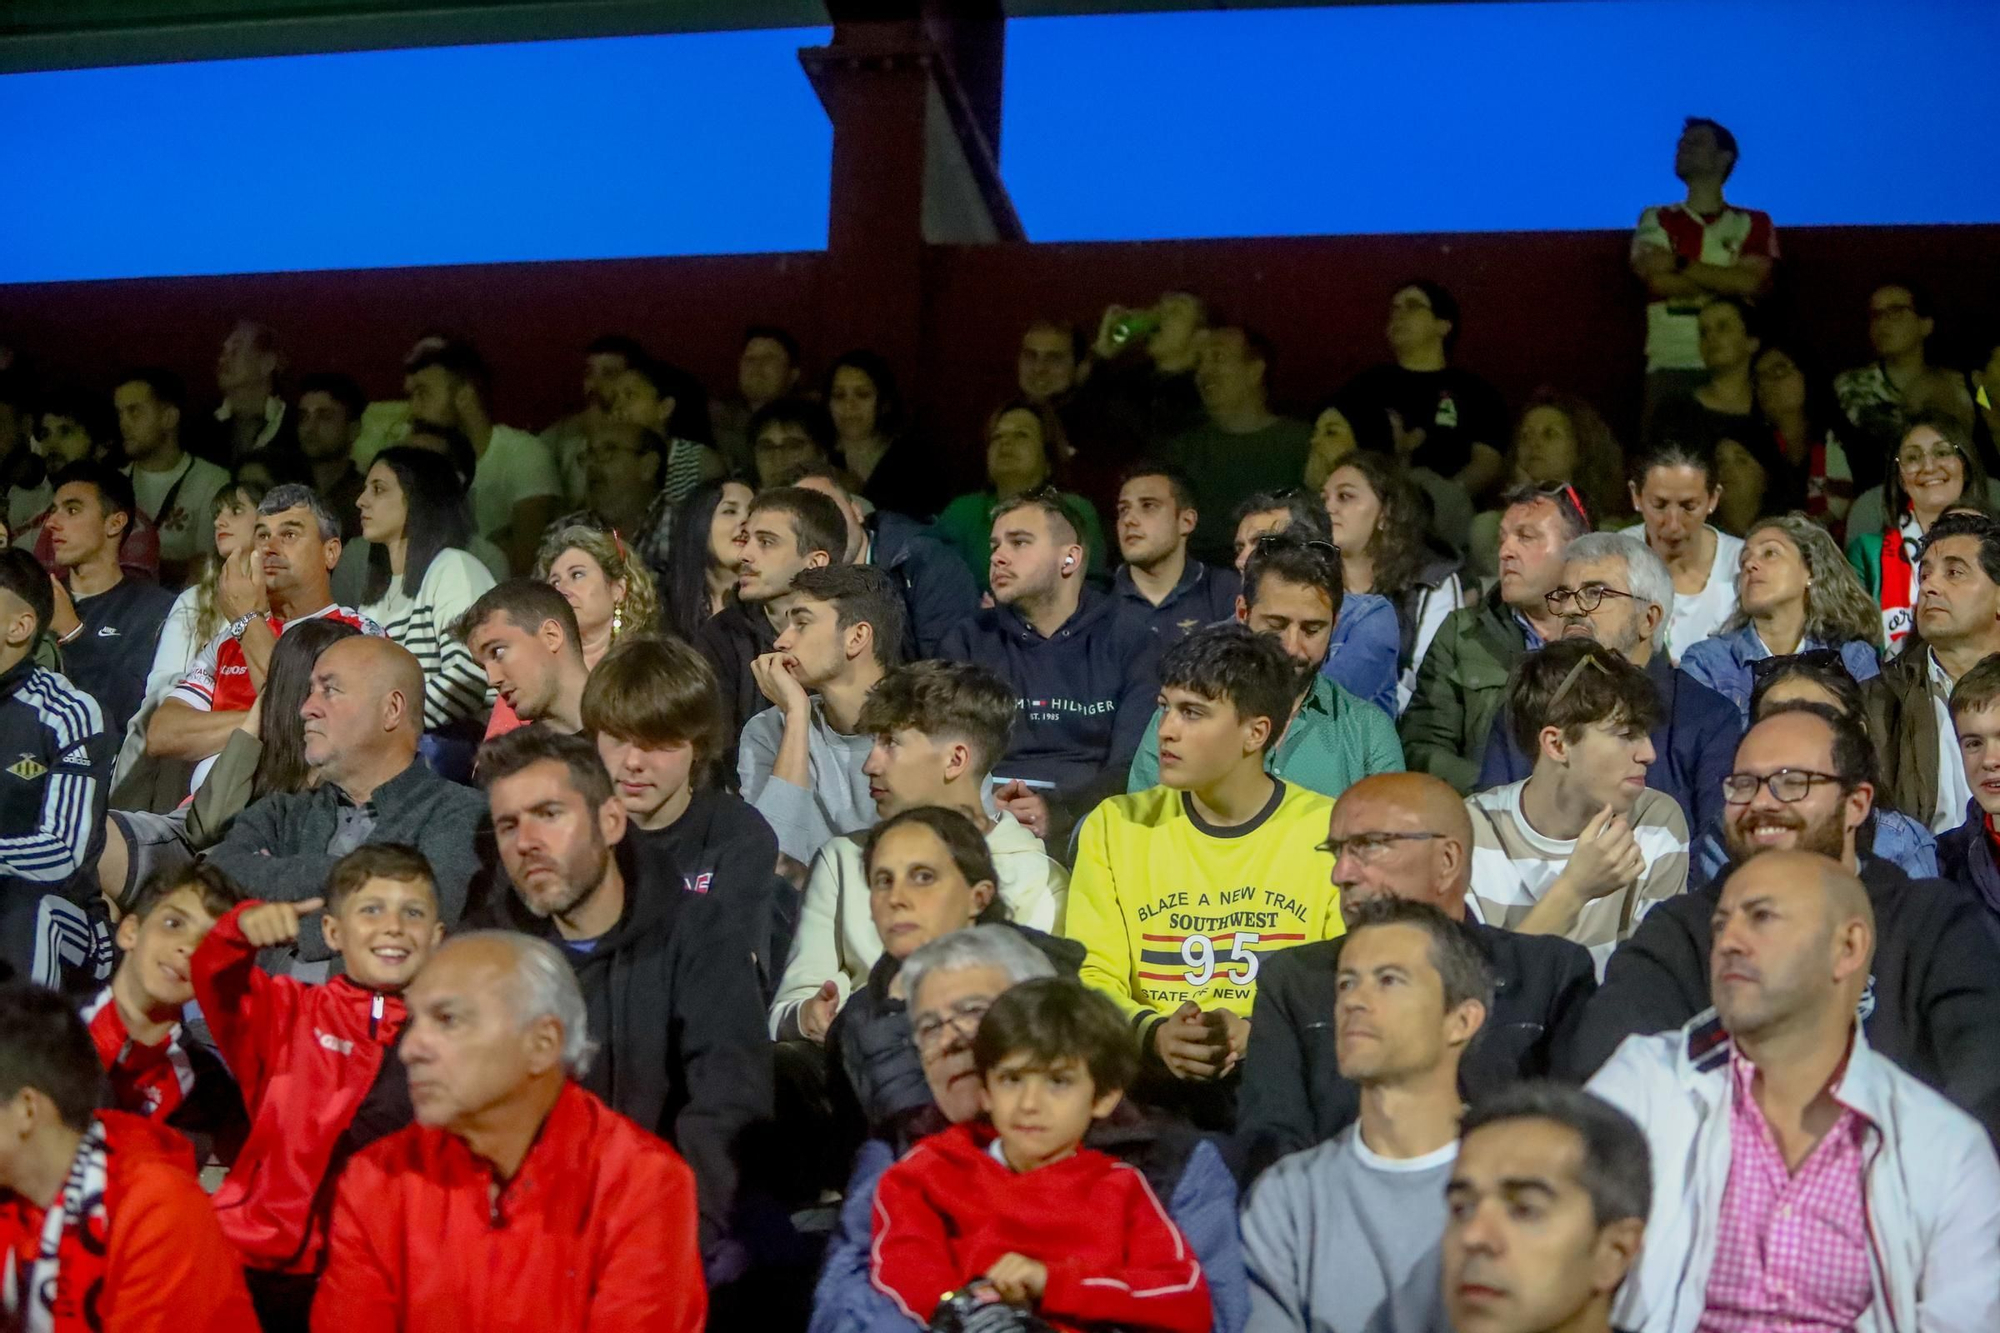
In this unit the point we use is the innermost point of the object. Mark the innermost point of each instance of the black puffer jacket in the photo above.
(679, 1022)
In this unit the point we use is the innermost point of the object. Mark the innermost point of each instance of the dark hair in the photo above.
(1600, 459)
(1294, 555)
(1823, 414)
(1065, 524)
(690, 420)
(457, 447)
(1978, 688)
(1233, 662)
(1055, 437)
(1921, 304)
(616, 344)
(1670, 452)
(341, 388)
(1460, 964)
(889, 415)
(817, 520)
(1723, 138)
(1079, 346)
(523, 747)
(283, 464)
(281, 766)
(1617, 1165)
(1303, 506)
(113, 487)
(1753, 321)
(166, 387)
(1176, 476)
(1398, 543)
(217, 891)
(1572, 684)
(1443, 305)
(1369, 424)
(861, 595)
(45, 1046)
(1828, 672)
(377, 860)
(528, 604)
(807, 415)
(458, 359)
(23, 575)
(1980, 527)
(1972, 495)
(1056, 1019)
(1853, 751)
(88, 410)
(1574, 520)
(776, 335)
(434, 519)
(656, 692)
(955, 700)
(685, 575)
(967, 846)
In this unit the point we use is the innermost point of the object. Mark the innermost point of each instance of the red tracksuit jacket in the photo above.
(596, 1231)
(947, 1211)
(155, 1262)
(305, 1056)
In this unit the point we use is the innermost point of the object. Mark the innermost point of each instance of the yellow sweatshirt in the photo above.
(1170, 908)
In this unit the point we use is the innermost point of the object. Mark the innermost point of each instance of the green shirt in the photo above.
(1336, 740)
(1227, 469)
(966, 525)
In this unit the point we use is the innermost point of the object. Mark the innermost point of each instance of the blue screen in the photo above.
(1496, 117)
(700, 143)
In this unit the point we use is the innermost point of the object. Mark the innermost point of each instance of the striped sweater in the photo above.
(454, 685)
(1513, 866)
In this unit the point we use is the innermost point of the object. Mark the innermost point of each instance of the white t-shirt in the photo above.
(1698, 615)
(187, 529)
(515, 467)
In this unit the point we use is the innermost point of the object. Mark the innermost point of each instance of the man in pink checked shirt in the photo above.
(1802, 1182)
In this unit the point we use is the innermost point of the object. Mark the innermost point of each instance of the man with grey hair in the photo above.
(1616, 591)
(950, 984)
(512, 1168)
(297, 546)
(1332, 1234)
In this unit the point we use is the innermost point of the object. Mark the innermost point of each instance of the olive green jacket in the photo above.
(1460, 688)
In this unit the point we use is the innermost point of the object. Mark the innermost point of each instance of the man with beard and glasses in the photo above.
(1804, 780)
(1292, 592)
(669, 984)
(1804, 1182)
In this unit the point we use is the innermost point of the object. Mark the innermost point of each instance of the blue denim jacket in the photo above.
(1361, 656)
(1722, 662)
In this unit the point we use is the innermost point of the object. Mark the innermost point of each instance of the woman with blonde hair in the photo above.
(605, 581)
(1795, 593)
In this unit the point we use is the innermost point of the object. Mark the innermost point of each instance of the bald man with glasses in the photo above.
(1398, 835)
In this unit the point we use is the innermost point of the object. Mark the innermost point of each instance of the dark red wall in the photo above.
(1554, 307)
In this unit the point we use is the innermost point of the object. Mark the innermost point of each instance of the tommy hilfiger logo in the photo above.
(28, 768)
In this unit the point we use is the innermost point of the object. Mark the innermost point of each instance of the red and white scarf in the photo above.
(151, 1081)
(60, 1293)
(1899, 578)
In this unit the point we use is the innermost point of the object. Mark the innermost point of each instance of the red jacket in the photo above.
(163, 1266)
(596, 1231)
(947, 1211)
(305, 1056)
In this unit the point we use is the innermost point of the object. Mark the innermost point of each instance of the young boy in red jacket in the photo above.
(1018, 1210)
(317, 1064)
(135, 1022)
(102, 1222)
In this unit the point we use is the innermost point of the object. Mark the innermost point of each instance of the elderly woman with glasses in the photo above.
(1936, 470)
(946, 987)
(1794, 594)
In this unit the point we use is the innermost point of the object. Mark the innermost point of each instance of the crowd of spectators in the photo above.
(1427, 866)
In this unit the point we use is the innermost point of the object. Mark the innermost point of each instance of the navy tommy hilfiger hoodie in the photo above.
(1086, 693)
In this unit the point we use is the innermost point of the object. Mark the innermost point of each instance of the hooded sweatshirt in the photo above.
(1086, 693)
(320, 1078)
(673, 1004)
(836, 938)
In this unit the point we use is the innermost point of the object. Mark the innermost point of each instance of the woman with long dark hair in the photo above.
(1797, 404)
(1935, 470)
(1378, 527)
(871, 433)
(701, 565)
(420, 577)
(1025, 451)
